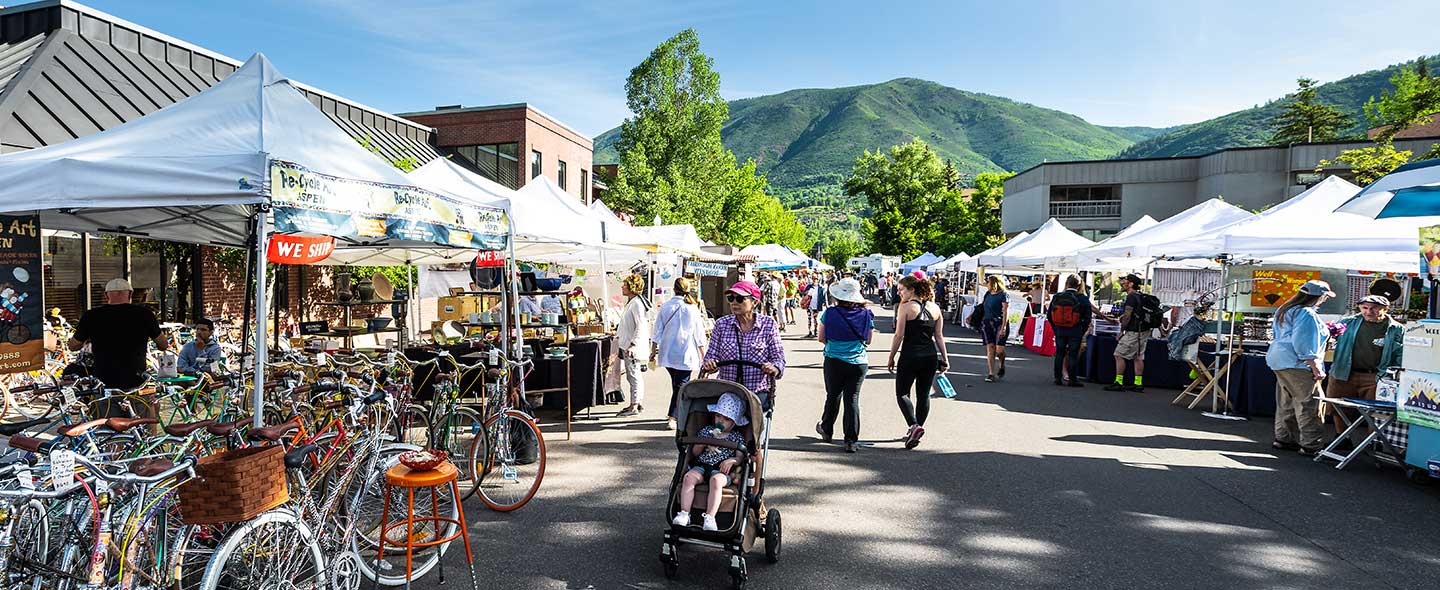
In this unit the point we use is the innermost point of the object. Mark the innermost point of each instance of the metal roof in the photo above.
(68, 70)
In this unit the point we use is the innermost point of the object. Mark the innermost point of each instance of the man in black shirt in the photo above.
(116, 333)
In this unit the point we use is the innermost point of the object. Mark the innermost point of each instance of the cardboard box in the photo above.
(457, 308)
(1422, 346)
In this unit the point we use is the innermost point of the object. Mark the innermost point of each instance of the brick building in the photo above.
(513, 143)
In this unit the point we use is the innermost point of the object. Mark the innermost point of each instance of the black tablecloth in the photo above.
(1251, 387)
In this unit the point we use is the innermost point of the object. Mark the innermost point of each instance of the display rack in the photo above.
(349, 335)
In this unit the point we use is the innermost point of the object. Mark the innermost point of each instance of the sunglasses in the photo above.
(735, 297)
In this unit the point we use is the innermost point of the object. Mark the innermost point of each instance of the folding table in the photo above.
(1375, 415)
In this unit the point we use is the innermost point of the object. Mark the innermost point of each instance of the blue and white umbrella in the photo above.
(1412, 190)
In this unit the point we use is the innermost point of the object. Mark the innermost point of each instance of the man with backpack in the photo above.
(1141, 316)
(1069, 315)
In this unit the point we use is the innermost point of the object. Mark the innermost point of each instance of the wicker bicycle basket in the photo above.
(235, 486)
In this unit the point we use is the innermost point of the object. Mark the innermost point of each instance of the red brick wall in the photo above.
(224, 292)
(476, 127)
(527, 127)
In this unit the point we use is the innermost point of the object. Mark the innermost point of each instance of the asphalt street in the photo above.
(1017, 484)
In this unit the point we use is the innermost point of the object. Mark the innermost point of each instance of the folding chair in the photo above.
(1376, 415)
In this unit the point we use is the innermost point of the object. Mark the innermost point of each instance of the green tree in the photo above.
(1307, 120)
(903, 185)
(971, 223)
(1414, 99)
(672, 163)
(1370, 163)
(841, 248)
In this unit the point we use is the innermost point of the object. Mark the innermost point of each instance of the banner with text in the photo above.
(706, 269)
(293, 249)
(309, 202)
(22, 295)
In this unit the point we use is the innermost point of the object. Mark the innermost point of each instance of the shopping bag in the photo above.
(943, 384)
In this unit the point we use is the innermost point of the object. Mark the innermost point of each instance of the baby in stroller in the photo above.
(712, 463)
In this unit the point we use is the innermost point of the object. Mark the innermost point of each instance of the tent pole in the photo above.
(262, 228)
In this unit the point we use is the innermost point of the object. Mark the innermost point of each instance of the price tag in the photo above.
(68, 394)
(62, 468)
(102, 487)
(26, 480)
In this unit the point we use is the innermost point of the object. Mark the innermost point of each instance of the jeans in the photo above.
(636, 379)
(842, 385)
(1067, 349)
(678, 379)
(917, 372)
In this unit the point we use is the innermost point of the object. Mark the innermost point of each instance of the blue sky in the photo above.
(1154, 63)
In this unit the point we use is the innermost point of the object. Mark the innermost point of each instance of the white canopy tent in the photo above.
(216, 167)
(919, 262)
(1132, 251)
(972, 263)
(1050, 239)
(948, 264)
(1072, 261)
(1306, 230)
(775, 257)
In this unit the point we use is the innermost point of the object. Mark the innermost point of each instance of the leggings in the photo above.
(842, 387)
(678, 379)
(920, 374)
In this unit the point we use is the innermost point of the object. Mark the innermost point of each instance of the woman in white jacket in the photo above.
(679, 340)
(632, 340)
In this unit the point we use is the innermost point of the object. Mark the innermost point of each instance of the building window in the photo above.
(1084, 202)
(499, 162)
(534, 164)
(560, 174)
(584, 184)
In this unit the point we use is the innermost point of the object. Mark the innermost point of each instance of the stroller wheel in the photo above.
(772, 536)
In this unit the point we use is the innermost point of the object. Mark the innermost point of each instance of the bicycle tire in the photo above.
(26, 404)
(489, 463)
(456, 436)
(413, 426)
(365, 538)
(30, 543)
(269, 551)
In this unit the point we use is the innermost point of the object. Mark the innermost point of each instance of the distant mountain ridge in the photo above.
(810, 137)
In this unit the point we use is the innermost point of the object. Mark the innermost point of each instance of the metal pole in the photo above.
(262, 229)
(85, 298)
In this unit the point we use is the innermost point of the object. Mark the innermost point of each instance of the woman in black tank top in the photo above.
(920, 344)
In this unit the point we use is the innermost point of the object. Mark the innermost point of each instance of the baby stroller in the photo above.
(739, 518)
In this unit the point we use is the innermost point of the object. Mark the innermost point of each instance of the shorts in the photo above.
(1131, 345)
(994, 331)
(706, 478)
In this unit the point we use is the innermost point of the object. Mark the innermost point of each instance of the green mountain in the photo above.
(1138, 134)
(1251, 127)
(809, 138)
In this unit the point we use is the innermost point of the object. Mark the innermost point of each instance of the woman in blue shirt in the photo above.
(845, 329)
(1296, 358)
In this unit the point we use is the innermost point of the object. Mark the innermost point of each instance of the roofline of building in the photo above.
(1208, 154)
(498, 107)
(100, 14)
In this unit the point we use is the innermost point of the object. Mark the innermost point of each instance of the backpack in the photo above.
(1145, 316)
(1065, 310)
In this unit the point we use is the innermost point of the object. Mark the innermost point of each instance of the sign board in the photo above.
(1264, 288)
(1430, 251)
(22, 295)
(706, 269)
(310, 202)
(1418, 401)
(293, 249)
(312, 328)
(490, 259)
(1281, 284)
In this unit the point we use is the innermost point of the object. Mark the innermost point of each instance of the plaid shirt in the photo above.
(761, 345)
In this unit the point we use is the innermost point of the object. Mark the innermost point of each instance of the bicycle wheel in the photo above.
(456, 434)
(30, 550)
(191, 550)
(275, 550)
(509, 461)
(31, 394)
(412, 426)
(366, 509)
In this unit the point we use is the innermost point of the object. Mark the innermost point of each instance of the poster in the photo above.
(1430, 251)
(706, 269)
(293, 249)
(314, 203)
(1419, 398)
(1284, 283)
(22, 295)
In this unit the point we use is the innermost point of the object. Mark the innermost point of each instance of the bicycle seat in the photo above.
(33, 445)
(274, 433)
(333, 404)
(15, 428)
(151, 467)
(74, 430)
(183, 430)
(124, 424)
(297, 457)
(224, 428)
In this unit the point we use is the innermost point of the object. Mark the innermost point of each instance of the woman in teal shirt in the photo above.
(1296, 358)
(845, 329)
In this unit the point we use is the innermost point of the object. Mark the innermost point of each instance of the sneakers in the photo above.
(1284, 446)
(850, 446)
(630, 411)
(989, 378)
(1075, 383)
(709, 524)
(1059, 381)
(820, 430)
(1001, 373)
(681, 519)
(670, 423)
(1308, 452)
(1136, 388)
(1117, 387)
(912, 439)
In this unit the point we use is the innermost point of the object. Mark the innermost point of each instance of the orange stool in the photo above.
(401, 476)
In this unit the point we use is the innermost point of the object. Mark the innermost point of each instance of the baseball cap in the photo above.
(118, 285)
(1380, 300)
(745, 288)
(1134, 278)
(1317, 288)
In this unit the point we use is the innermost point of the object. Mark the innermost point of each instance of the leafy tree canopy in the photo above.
(1307, 120)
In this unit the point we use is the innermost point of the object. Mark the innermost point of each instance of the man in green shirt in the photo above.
(1371, 344)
